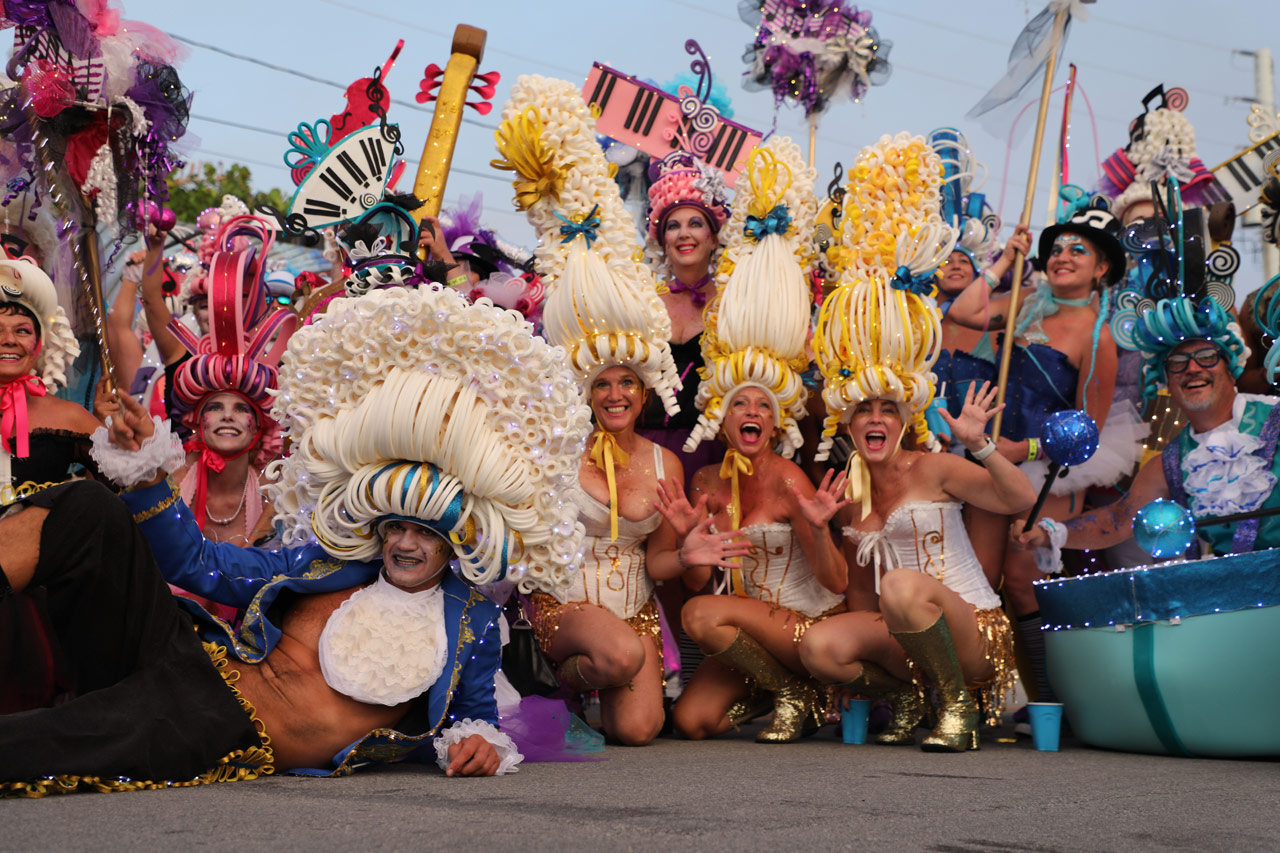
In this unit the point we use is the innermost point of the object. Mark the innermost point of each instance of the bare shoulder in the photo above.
(55, 413)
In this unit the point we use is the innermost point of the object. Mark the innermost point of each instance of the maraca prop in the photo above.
(1164, 528)
(149, 213)
(1068, 438)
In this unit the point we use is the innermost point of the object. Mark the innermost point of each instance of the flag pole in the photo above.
(1059, 22)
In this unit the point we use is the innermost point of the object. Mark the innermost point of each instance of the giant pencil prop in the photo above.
(456, 80)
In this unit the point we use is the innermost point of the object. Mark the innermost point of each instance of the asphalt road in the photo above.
(726, 794)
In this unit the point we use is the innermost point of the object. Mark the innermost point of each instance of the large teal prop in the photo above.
(1181, 659)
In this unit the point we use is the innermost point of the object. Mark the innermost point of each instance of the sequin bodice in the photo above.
(929, 537)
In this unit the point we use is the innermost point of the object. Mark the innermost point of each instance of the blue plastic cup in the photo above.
(853, 720)
(1046, 724)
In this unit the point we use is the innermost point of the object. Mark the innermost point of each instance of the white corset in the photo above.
(613, 574)
(916, 536)
(776, 571)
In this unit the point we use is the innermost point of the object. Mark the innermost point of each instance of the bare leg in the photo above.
(610, 652)
(833, 650)
(21, 537)
(701, 710)
(912, 601)
(632, 714)
(713, 622)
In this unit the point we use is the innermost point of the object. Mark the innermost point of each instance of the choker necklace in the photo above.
(699, 298)
(1077, 303)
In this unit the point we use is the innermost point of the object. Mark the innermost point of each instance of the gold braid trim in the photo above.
(237, 765)
(169, 500)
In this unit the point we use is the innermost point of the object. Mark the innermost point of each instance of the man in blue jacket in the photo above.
(363, 648)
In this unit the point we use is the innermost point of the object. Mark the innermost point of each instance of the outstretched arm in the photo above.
(997, 485)
(1109, 525)
(811, 517)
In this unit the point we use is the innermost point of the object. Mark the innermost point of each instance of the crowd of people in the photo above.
(725, 466)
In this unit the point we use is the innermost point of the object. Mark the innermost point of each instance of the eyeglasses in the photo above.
(1207, 358)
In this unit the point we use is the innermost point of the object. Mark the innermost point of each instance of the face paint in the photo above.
(1072, 244)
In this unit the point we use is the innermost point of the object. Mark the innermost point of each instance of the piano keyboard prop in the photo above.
(650, 120)
(1239, 179)
(341, 181)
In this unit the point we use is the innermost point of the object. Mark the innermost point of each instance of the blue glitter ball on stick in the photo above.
(1069, 437)
(1163, 528)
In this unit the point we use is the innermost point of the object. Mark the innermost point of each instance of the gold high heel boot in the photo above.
(908, 707)
(934, 652)
(757, 703)
(794, 699)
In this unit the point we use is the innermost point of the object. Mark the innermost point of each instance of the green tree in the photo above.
(202, 185)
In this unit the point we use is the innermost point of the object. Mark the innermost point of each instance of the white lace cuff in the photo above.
(1049, 560)
(508, 755)
(127, 468)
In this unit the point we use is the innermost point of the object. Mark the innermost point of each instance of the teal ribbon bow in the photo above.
(587, 227)
(777, 221)
(904, 279)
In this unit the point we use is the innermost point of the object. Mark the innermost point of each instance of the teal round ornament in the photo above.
(1163, 528)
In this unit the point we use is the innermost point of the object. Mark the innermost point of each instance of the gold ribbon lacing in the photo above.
(605, 453)
(734, 464)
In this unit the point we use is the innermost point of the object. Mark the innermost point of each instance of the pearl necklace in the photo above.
(226, 521)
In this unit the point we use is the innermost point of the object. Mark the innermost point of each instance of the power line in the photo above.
(229, 123)
(314, 79)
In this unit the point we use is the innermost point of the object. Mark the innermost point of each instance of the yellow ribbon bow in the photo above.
(605, 453)
(734, 464)
(858, 483)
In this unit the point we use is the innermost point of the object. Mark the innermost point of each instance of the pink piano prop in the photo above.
(651, 120)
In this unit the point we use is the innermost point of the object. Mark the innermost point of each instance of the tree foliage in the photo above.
(202, 185)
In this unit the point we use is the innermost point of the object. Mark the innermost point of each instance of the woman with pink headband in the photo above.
(222, 393)
(688, 205)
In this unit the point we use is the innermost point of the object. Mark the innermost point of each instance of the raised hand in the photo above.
(131, 425)
(704, 548)
(676, 509)
(970, 428)
(827, 500)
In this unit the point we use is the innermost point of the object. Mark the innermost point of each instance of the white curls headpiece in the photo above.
(602, 304)
(758, 324)
(415, 403)
(24, 283)
(879, 332)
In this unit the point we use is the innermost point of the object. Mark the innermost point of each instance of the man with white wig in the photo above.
(424, 430)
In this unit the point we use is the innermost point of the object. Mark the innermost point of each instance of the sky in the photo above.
(944, 56)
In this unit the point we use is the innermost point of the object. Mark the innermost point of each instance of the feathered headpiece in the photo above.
(481, 442)
(602, 305)
(758, 323)
(879, 332)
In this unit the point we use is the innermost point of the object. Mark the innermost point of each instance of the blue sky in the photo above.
(944, 56)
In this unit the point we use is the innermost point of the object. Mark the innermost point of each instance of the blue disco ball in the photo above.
(1163, 528)
(1070, 437)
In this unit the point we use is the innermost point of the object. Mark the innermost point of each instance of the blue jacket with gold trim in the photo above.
(254, 579)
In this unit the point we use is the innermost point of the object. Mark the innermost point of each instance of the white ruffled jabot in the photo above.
(385, 646)
(1223, 476)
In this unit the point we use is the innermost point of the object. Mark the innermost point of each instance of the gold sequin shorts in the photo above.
(547, 613)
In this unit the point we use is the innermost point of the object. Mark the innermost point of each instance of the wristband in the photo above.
(992, 281)
(986, 450)
(1033, 449)
(457, 280)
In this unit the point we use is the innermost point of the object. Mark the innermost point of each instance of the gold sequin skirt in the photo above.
(804, 623)
(547, 613)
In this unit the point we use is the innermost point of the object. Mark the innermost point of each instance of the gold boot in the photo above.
(757, 703)
(934, 652)
(794, 698)
(908, 707)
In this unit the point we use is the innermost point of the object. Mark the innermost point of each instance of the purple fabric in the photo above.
(1247, 531)
(538, 728)
(675, 285)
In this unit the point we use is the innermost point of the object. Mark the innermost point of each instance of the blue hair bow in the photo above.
(587, 227)
(777, 221)
(904, 279)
